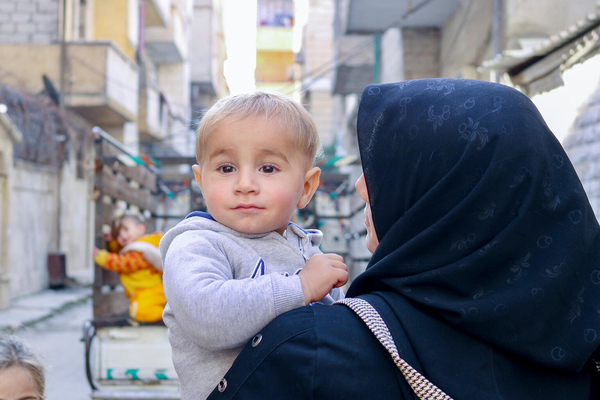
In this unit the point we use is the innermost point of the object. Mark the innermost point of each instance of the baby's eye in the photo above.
(268, 169)
(226, 169)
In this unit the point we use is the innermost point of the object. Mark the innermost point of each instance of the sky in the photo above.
(239, 25)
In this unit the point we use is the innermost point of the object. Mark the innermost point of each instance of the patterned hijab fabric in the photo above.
(481, 218)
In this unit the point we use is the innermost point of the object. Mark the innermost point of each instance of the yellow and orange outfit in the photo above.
(140, 268)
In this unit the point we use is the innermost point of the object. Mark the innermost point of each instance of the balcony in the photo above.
(157, 13)
(368, 17)
(151, 113)
(361, 32)
(270, 38)
(101, 83)
(167, 45)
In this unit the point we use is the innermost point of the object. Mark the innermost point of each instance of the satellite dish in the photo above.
(50, 90)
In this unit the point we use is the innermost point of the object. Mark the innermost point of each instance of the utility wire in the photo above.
(315, 74)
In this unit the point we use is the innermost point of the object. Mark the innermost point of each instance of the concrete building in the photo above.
(128, 67)
(275, 59)
(207, 53)
(317, 57)
(123, 64)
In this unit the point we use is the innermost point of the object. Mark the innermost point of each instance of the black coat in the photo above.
(327, 352)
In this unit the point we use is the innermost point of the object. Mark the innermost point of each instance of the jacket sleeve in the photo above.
(129, 262)
(212, 307)
(337, 294)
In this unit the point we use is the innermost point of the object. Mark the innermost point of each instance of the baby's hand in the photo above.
(95, 251)
(321, 273)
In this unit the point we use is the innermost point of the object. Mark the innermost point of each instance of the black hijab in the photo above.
(482, 220)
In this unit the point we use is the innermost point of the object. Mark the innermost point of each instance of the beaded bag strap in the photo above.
(423, 388)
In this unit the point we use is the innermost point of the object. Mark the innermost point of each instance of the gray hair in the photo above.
(14, 352)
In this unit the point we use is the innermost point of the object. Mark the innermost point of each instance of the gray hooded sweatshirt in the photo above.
(222, 287)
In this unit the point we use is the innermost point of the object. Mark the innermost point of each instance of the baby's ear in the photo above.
(198, 175)
(311, 183)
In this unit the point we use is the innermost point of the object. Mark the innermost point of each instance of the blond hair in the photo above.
(289, 114)
(15, 353)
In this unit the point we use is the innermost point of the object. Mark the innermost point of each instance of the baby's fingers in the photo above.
(339, 265)
(334, 257)
(341, 276)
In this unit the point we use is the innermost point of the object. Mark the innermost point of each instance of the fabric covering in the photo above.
(483, 223)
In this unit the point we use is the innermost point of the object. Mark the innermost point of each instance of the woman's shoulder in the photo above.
(313, 352)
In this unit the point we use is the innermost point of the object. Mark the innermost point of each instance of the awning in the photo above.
(538, 67)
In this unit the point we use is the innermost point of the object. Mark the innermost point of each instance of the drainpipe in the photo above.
(377, 55)
(141, 38)
(63, 84)
(63, 55)
(496, 33)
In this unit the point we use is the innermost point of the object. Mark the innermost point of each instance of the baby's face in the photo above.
(252, 176)
(130, 231)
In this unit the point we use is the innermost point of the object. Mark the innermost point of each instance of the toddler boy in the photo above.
(230, 271)
(139, 266)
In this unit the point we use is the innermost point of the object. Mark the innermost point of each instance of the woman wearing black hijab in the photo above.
(485, 267)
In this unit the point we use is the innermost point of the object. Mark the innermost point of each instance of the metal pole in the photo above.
(98, 221)
(377, 56)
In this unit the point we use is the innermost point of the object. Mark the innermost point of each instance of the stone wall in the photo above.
(29, 21)
(421, 53)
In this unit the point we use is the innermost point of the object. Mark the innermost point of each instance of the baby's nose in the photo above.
(246, 183)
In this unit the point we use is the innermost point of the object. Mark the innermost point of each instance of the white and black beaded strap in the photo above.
(424, 389)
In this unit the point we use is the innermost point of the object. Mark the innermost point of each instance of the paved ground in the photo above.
(58, 341)
(29, 310)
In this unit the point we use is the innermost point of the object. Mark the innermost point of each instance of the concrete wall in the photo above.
(202, 42)
(47, 214)
(392, 56)
(174, 79)
(35, 21)
(6, 155)
(33, 227)
(112, 20)
(42, 211)
(465, 39)
(318, 51)
(76, 218)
